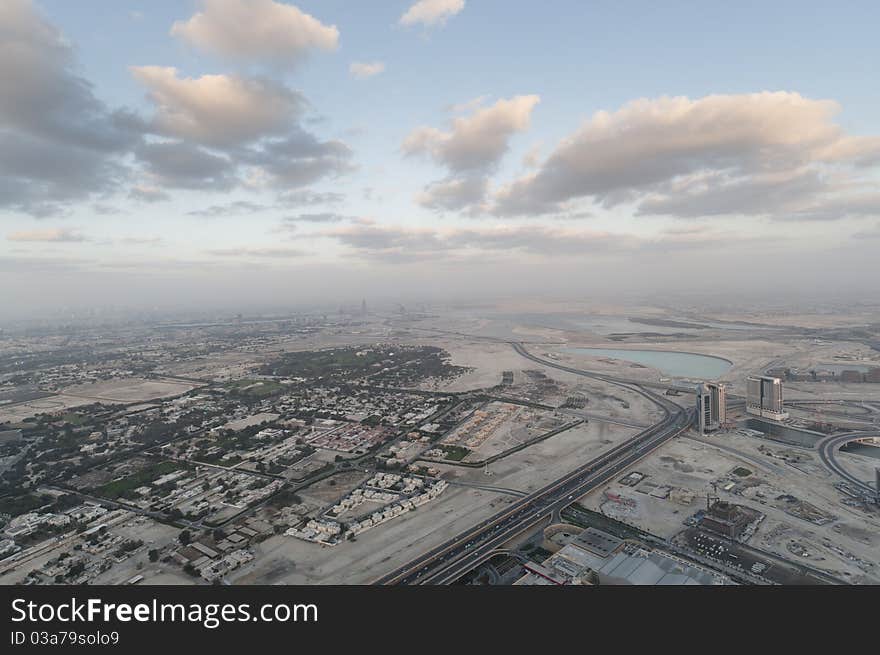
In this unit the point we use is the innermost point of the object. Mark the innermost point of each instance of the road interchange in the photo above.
(447, 562)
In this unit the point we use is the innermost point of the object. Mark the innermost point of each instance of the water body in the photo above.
(676, 364)
(862, 449)
(784, 433)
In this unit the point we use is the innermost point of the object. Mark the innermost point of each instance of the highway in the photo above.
(828, 448)
(450, 560)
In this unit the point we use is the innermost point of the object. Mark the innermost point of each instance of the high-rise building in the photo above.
(764, 397)
(711, 406)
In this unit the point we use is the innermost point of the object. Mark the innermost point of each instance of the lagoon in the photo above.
(676, 364)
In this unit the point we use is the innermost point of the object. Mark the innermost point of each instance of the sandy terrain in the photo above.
(129, 390)
(693, 464)
(291, 561)
(18, 412)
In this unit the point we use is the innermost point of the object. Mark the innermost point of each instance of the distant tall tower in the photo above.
(364, 307)
(764, 397)
(711, 406)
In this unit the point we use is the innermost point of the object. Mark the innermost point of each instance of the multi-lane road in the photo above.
(828, 449)
(452, 559)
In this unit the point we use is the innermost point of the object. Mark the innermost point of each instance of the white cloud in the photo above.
(261, 30)
(721, 154)
(363, 70)
(470, 150)
(475, 141)
(454, 193)
(218, 110)
(54, 235)
(431, 12)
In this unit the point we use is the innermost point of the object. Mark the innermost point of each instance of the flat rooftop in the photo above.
(597, 542)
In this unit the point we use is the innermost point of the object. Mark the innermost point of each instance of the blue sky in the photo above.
(528, 178)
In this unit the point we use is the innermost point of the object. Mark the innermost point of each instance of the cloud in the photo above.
(256, 30)
(58, 141)
(468, 105)
(142, 241)
(324, 217)
(218, 110)
(717, 193)
(231, 209)
(470, 150)
(298, 198)
(363, 70)
(106, 210)
(404, 244)
(148, 194)
(299, 159)
(401, 244)
(59, 144)
(454, 193)
(275, 253)
(431, 12)
(477, 141)
(54, 235)
(830, 208)
(749, 153)
(181, 165)
(391, 243)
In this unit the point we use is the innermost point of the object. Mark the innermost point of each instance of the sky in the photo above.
(246, 153)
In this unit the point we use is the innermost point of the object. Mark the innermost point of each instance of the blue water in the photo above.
(683, 365)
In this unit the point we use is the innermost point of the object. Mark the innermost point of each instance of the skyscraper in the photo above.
(764, 397)
(711, 406)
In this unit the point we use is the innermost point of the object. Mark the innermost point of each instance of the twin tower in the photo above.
(763, 398)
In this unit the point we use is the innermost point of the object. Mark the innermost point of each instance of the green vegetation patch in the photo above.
(124, 487)
(742, 472)
(16, 505)
(455, 453)
(73, 418)
(256, 388)
(386, 364)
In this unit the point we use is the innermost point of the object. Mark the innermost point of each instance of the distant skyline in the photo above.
(200, 153)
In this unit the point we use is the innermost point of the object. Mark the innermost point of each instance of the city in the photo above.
(441, 446)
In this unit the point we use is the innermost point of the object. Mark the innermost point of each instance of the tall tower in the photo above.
(764, 397)
(704, 408)
(364, 307)
(711, 406)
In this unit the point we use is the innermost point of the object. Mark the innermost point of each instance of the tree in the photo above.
(153, 554)
(184, 537)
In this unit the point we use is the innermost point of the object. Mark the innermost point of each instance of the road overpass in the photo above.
(828, 449)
